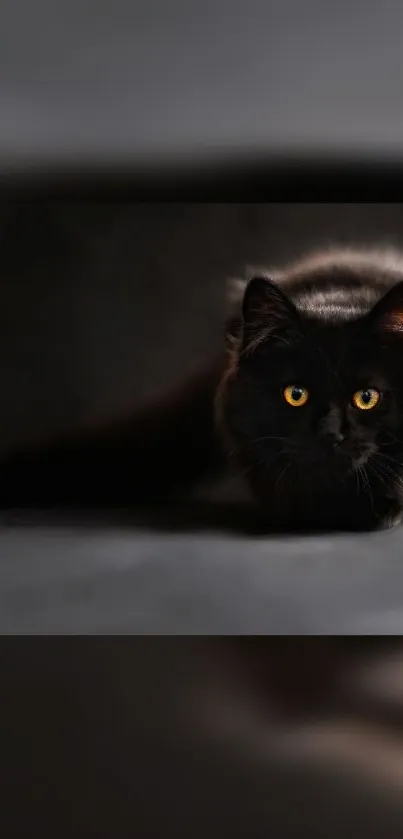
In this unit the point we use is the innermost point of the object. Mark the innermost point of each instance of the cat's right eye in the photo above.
(296, 396)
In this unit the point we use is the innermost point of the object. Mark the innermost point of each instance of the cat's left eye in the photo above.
(366, 400)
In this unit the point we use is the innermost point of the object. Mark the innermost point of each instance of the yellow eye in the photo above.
(296, 396)
(367, 399)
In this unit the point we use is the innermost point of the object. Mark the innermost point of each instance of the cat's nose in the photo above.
(331, 428)
(333, 438)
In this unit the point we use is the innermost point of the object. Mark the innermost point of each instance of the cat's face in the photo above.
(313, 401)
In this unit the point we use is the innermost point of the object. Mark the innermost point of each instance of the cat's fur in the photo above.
(333, 323)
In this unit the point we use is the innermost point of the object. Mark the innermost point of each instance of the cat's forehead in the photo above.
(340, 351)
(335, 337)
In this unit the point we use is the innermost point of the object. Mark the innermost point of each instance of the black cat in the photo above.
(306, 404)
(311, 403)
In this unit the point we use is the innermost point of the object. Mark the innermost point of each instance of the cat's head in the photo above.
(312, 396)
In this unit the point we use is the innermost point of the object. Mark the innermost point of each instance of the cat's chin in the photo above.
(327, 463)
(341, 462)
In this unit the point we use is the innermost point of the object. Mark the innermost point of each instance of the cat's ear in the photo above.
(235, 290)
(267, 313)
(387, 314)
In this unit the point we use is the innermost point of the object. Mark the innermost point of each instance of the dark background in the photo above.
(104, 304)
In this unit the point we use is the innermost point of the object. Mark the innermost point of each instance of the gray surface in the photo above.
(169, 79)
(107, 580)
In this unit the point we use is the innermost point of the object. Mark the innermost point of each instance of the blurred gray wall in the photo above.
(105, 305)
(109, 79)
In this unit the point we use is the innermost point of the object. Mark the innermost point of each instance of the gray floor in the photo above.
(86, 578)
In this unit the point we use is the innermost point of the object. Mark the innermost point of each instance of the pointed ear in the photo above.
(267, 313)
(387, 314)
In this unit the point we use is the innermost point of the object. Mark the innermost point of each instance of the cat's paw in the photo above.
(393, 518)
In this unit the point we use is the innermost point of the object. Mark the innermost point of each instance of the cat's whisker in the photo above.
(386, 474)
(393, 439)
(378, 469)
(367, 484)
(280, 477)
(391, 466)
(357, 476)
(391, 459)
